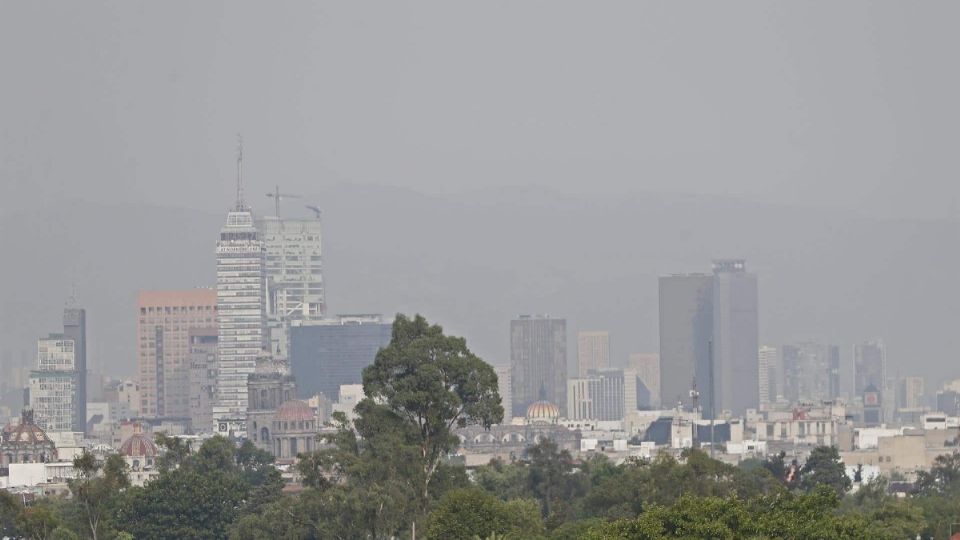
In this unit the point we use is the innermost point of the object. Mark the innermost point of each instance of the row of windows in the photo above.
(174, 309)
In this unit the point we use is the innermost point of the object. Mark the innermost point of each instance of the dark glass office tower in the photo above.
(538, 362)
(709, 338)
(328, 353)
(735, 337)
(686, 330)
(75, 328)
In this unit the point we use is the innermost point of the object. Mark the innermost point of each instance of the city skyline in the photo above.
(487, 270)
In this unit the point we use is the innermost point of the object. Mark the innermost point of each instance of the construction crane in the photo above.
(276, 195)
(315, 210)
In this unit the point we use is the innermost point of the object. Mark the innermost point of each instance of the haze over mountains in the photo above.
(472, 260)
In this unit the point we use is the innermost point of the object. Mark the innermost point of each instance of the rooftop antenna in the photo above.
(240, 205)
(72, 300)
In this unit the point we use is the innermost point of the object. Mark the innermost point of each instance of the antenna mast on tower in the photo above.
(240, 205)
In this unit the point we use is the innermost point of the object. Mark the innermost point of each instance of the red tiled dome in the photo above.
(138, 445)
(26, 432)
(294, 411)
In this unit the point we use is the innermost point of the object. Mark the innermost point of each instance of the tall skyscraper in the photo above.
(54, 385)
(709, 337)
(593, 351)
(647, 367)
(538, 361)
(165, 319)
(241, 312)
(294, 276)
(869, 367)
(735, 337)
(686, 331)
(767, 375)
(75, 328)
(332, 352)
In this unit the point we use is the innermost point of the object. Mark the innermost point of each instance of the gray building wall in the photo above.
(75, 328)
(203, 377)
(735, 338)
(538, 362)
(870, 366)
(327, 354)
(686, 328)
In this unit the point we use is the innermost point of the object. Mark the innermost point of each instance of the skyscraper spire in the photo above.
(240, 205)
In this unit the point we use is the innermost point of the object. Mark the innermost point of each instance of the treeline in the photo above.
(386, 475)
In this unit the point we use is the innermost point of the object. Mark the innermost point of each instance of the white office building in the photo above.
(241, 316)
(294, 276)
(604, 394)
(54, 386)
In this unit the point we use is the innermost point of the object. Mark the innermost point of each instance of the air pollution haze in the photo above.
(477, 270)
(476, 162)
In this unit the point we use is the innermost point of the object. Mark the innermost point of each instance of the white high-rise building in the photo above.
(241, 314)
(294, 276)
(54, 384)
(605, 394)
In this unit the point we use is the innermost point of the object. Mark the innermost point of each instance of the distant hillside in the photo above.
(472, 261)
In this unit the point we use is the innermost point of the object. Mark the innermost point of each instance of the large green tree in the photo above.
(10, 508)
(433, 384)
(467, 513)
(96, 488)
(201, 497)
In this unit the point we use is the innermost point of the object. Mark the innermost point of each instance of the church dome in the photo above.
(294, 411)
(26, 432)
(138, 445)
(543, 411)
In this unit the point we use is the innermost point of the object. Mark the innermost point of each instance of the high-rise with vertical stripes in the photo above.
(241, 313)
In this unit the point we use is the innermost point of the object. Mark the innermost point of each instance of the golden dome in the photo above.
(543, 411)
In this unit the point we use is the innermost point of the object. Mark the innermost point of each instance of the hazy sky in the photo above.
(849, 104)
(630, 111)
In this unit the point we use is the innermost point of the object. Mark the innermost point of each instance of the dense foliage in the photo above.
(386, 475)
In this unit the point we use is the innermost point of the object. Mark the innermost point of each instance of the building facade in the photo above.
(75, 328)
(647, 366)
(593, 351)
(767, 375)
(605, 394)
(241, 316)
(686, 332)
(54, 385)
(165, 319)
(735, 339)
(911, 393)
(332, 352)
(293, 265)
(709, 339)
(269, 390)
(870, 366)
(203, 377)
(503, 388)
(811, 372)
(538, 361)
